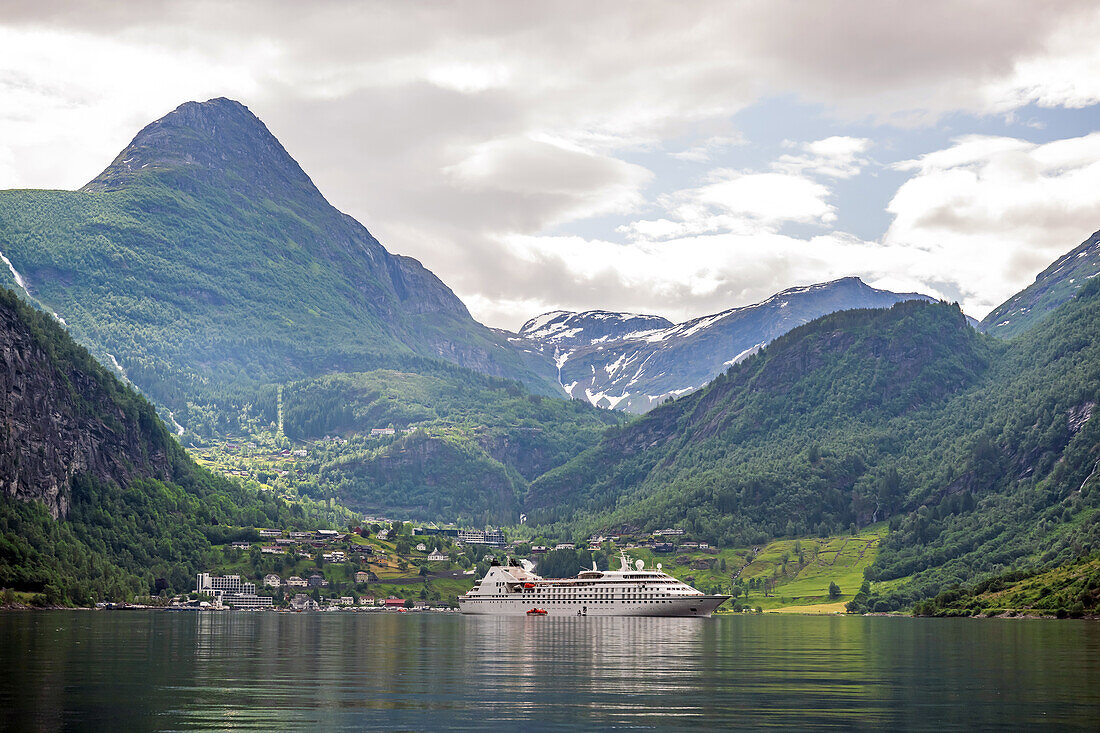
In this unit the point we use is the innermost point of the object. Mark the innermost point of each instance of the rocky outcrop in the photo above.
(62, 415)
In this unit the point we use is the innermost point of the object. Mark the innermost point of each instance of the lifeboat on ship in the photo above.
(536, 612)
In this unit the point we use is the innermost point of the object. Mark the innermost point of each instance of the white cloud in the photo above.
(1062, 74)
(990, 212)
(740, 202)
(706, 150)
(695, 275)
(837, 157)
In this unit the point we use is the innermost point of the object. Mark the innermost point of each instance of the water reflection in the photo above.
(236, 671)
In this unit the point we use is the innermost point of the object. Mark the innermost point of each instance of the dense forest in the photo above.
(146, 529)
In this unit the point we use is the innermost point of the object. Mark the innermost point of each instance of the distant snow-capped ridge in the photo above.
(632, 361)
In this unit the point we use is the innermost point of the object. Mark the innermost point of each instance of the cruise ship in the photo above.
(514, 590)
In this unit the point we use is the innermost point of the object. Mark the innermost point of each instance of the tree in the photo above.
(834, 590)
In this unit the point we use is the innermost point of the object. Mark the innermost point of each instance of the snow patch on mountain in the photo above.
(633, 362)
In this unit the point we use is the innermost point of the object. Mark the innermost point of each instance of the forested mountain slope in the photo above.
(98, 500)
(464, 449)
(982, 453)
(750, 456)
(634, 362)
(206, 263)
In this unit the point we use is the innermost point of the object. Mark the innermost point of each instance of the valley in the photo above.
(217, 349)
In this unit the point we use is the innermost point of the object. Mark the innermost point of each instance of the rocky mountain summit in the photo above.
(633, 362)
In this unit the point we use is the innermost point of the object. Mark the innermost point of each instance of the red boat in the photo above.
(537, 612)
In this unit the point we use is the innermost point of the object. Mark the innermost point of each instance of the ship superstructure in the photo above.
(515, 590)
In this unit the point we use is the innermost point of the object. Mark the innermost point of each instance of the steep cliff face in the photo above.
(62, 415)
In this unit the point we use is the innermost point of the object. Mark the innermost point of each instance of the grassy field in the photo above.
(798, 572)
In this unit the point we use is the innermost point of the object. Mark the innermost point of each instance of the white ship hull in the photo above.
(689, 606)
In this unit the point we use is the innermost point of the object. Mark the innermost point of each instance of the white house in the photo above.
(271, 580)
(437, 556)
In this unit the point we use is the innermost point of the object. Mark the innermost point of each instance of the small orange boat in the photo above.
(537, 612)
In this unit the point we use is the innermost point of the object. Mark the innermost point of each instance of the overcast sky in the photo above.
(674, 158)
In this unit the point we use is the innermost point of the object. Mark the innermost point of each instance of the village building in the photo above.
(491, 537)
(270, 533)
(421, 547)
(366, 600)
(437, 556)
(316, 581)
(302, 602)
(362, 577)
(271, 580)
(295, 582)
(230, 590)
(393, 602)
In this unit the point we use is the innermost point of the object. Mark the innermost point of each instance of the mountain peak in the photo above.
(199, 141)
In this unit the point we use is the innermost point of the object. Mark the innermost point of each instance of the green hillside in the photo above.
(98, 501)
(980, 452)
(477, 441)
(206, 263)
(789, 442)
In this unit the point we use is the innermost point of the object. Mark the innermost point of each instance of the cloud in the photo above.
(706, 150)
(464, 133)
(572, 183)
(692, 275)
(837, 157)
(990, 212)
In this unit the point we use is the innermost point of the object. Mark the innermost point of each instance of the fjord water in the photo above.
(141, 670)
